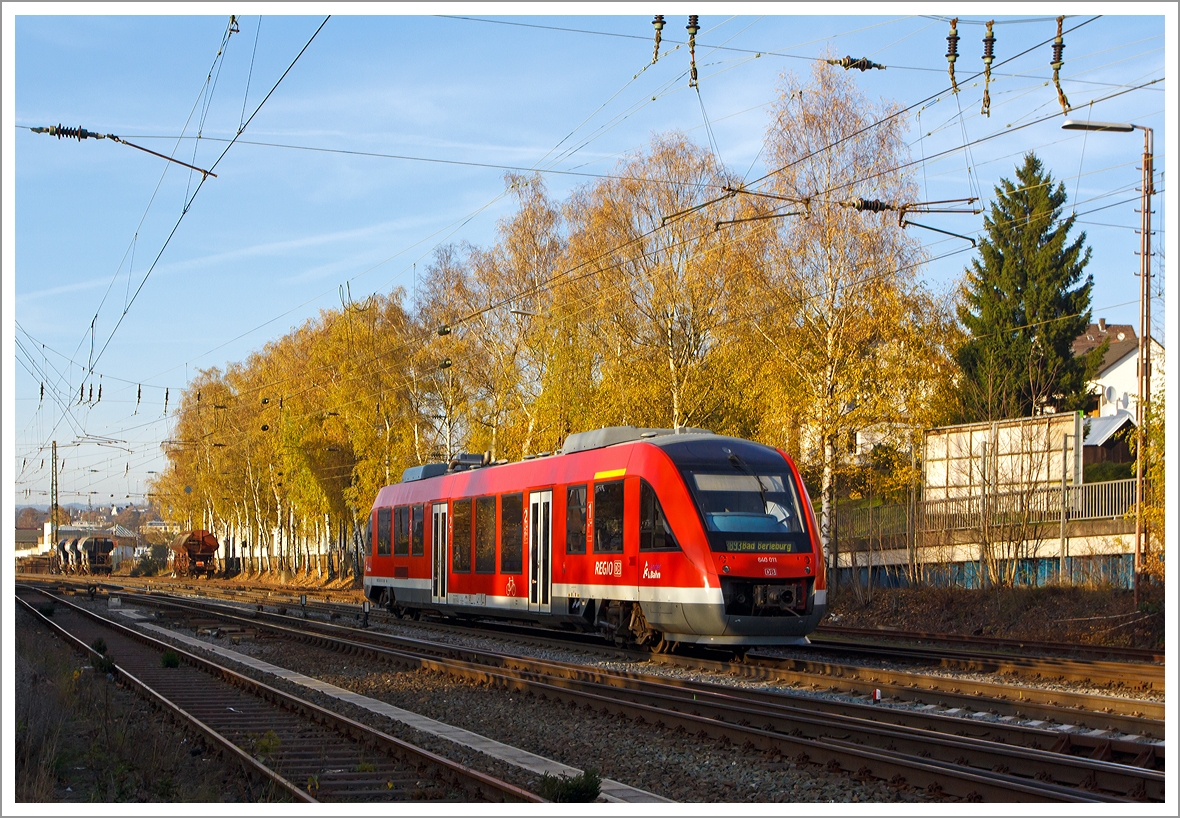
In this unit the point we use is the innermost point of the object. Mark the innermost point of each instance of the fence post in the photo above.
(1061, 562)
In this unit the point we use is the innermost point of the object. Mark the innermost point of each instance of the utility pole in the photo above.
(1144, 373)
(53, 499)
(1144, 354)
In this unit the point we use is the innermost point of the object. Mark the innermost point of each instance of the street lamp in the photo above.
(1144, 379)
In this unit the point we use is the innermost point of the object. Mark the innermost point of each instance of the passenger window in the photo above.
(511, 533)
(608, 517)
(419, 545)
(485, 535)
(654, 532)
(575, 520)
(401, 531)
(383, 515)
(461, 538)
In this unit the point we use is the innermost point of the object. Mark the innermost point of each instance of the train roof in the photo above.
(686, 446)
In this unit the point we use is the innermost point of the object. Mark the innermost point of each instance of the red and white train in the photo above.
(653, 536)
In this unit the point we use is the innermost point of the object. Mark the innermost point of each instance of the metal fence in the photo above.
(1090, 501)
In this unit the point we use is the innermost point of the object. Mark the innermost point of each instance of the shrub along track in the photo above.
(886, 744)
(308, 751)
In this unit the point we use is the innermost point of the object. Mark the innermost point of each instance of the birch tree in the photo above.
(843, 319)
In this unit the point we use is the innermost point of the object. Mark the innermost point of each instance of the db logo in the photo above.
(606, 568)
(510, 588)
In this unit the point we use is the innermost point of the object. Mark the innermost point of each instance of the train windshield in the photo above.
(760, 504)
(747, 511)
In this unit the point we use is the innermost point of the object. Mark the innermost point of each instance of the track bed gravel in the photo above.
(678, 767)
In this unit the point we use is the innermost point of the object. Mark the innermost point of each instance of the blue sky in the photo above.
(270, 240)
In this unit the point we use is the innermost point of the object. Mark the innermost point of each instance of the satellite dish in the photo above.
(1110, 394)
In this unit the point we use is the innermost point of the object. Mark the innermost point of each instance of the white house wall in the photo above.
(1118, 386)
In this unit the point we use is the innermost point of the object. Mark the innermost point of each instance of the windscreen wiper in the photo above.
(738, 463)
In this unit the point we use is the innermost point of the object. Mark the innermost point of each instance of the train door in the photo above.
(438, 551)
(540, 549)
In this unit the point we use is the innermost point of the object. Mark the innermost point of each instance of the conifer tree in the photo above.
(1023, 303)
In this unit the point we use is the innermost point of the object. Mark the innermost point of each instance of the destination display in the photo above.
(762, 547)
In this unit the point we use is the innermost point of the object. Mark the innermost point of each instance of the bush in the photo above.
(103, 665)
(99, 645)
(170, 659)
(146, 567)
(578, 789)
(1106, 470)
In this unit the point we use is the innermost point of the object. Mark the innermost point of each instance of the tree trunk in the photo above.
(827, 508)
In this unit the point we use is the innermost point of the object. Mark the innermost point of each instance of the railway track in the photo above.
(1097, 673)
(1003, 763)
(1132, 717)
(1023, 647)
(310, 752)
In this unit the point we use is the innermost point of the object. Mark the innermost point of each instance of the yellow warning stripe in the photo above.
(607, 475)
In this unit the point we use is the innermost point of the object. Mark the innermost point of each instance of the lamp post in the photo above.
(1144, 373)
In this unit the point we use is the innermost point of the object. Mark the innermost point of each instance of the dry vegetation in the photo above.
(1044, 614)
(81, 737)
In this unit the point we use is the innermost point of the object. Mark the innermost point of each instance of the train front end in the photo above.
(761, 548)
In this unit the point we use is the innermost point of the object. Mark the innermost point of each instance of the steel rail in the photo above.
(786, 729)
(1020, 646)
(1097, 673)
(469, 780)
(251, 764)
(1134, 716)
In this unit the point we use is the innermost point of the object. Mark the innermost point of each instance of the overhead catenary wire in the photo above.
(205, 174)
(620, 248)
(191, 199)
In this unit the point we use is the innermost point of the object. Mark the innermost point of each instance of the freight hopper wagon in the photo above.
(62, 559)
(193, 553)
(96, 554)
(652, 536)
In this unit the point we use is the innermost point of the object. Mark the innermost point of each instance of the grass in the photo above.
(170, 659)
(577, 789)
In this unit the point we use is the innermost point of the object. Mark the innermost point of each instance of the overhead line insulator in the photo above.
(658, 25)
(1058, 61)
(79, 133)
(863, 64)
(989, 44)
(871, 205)
(693, 27)
(952, 52)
